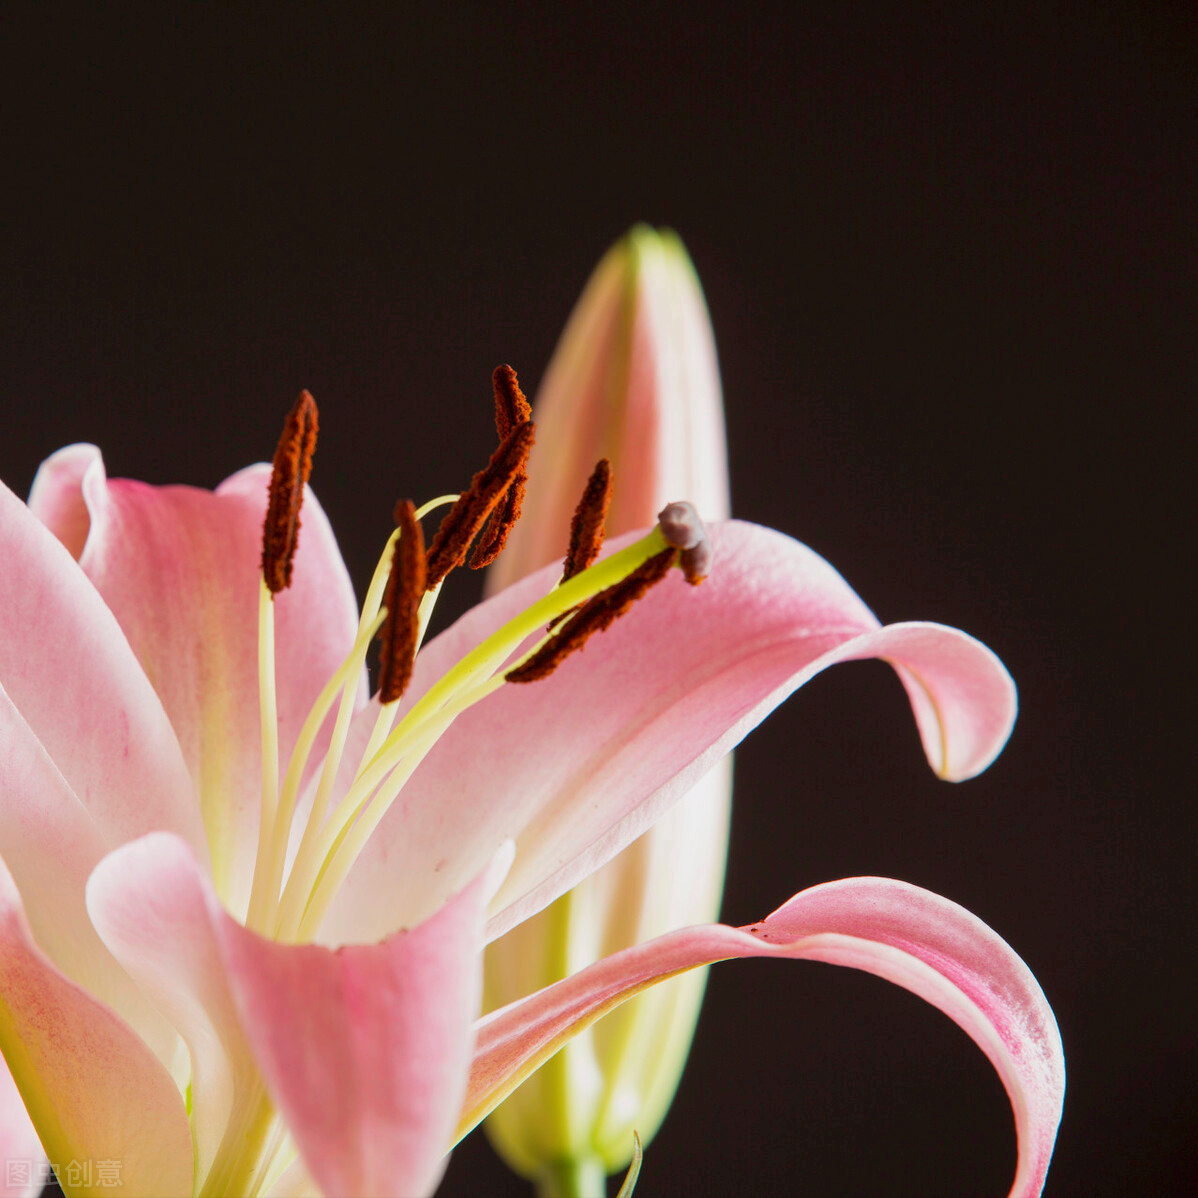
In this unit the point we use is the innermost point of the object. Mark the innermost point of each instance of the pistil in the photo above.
(681, 526)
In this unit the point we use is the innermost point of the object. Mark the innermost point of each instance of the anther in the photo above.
(681, 526)
(466, 518)
(598, 613)
(586, 529)
(511, 408)
(511, 411)
(405, 586)
(292, 466)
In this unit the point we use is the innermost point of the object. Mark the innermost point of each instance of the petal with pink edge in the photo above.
(147, 902)
(180, 569)
(918, 940)
(20, 1149)
(92, 1088)
(386, 1035)
(69, 672)
(577, 766)
(52, 844)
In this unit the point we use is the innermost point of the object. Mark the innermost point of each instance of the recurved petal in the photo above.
(386, 1035)
(92, 1088)
(576, 766)
(19, 1145)
(918, 940)
(68, 670)
(180, 568)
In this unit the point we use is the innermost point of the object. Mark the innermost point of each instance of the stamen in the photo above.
(405, 588)
(511, 410)
(586, 529)
(595, 615)
(307, 858)
(292, 466)
(465, 519)
(325, 858)
(681, 526)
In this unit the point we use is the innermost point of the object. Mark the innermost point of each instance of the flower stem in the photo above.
(573, 1178)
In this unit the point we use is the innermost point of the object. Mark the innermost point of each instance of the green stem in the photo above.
(576, 1178)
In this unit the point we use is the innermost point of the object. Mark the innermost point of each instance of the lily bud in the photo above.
(635, 380)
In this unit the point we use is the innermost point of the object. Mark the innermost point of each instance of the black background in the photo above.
(948, 253)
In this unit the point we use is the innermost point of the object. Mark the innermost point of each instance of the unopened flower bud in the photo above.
(634, 380)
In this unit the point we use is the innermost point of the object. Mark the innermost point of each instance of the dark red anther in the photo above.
(511, 411)
(292, 466)
(465, 519)
(596, 614)
(586, 529)
(405, 586)
(511, 408)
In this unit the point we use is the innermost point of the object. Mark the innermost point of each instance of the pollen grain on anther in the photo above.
(291, 469)
(511, 411)
(586, 529)
(405, 586)
(596, 614)
(464, 521)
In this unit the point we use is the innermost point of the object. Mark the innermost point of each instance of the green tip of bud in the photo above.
(643, 242)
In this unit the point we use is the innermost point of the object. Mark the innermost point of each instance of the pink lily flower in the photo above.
(220, 976)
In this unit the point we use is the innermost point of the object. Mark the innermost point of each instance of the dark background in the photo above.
(948, 254)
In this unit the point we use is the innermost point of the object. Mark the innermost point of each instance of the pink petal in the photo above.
(147, 901)
(92, 1088)
(52, 843)
(366, 1050)
(575, 767)
(20, 1149)
(180, 568)
(922, 942)
(69, 672)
